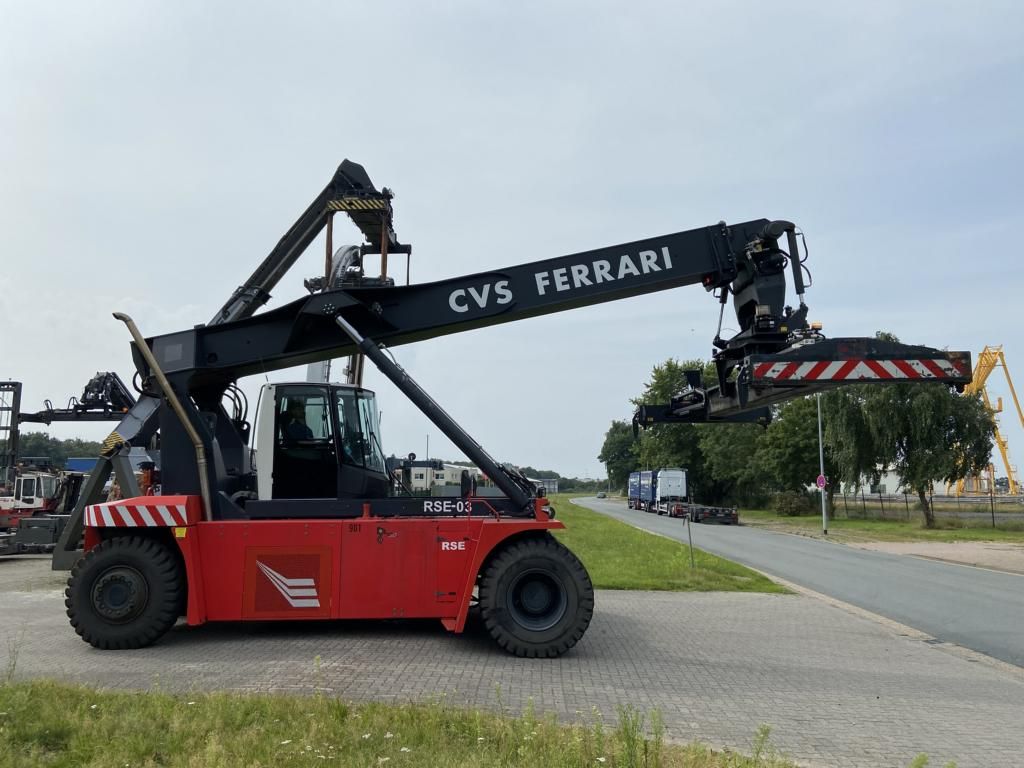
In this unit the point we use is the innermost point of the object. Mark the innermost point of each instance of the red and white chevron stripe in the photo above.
(859, 369)
(144, 512)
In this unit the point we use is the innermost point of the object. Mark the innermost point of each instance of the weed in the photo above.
(14, 645)
(46, 723)
(657, 738)
(630, 735)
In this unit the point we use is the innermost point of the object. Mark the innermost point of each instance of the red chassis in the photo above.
(355, 568)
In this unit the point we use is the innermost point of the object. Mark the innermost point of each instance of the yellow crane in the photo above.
(989, 359)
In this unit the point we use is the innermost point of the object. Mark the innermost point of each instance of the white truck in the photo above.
(670, 498)
(670, 492)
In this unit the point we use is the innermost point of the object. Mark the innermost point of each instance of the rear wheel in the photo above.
(536, 598)
(125, 593)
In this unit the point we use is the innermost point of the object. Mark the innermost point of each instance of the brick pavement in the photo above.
(837, 689)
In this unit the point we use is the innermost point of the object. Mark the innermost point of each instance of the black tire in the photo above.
(536, 599)
(125, 593)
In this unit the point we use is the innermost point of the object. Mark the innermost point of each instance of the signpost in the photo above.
(822, 481)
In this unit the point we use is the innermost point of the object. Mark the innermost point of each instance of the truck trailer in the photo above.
(633, 491)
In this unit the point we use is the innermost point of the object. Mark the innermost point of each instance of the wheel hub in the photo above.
(537, 600)
(120, 594)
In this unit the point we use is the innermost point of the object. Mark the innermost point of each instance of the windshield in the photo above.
(47, 486)
(359, 429)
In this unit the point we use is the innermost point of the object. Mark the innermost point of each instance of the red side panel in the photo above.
(386, 569)
(454, 548)
(366, 568)
(274, 569)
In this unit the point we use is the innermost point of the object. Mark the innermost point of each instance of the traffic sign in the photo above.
(820, 482)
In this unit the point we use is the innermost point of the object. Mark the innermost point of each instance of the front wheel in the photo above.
(536, 598)
(125, 593)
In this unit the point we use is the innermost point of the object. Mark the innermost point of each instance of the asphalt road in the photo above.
(976, 608)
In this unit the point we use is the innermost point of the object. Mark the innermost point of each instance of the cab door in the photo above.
(305, 462)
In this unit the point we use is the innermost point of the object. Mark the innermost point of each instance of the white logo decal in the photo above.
(300, 593)
(458, 300)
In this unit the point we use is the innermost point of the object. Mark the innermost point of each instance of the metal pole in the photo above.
(821, 466)
(689, 535)
(992, 502)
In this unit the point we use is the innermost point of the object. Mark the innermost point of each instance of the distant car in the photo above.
(601, 495)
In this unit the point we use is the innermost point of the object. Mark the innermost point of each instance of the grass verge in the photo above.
(949, 529)
(619, 556)
(49, 724)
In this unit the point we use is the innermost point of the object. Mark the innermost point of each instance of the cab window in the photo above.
(303, 417)
(305, 465)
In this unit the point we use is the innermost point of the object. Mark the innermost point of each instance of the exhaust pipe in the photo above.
(165, 385)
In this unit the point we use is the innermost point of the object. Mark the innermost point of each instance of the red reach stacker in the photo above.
(297, 516)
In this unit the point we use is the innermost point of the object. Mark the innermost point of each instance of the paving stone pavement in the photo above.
(837, 689)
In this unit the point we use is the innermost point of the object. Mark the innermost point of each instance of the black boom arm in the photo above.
(304, 331)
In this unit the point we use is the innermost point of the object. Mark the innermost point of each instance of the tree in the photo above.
(848, 436)
(729, 453)
(42, 444)
(540, 474)
(618, 453)
(788, 454)
(924, 432)
(929, 434)
(674, 445)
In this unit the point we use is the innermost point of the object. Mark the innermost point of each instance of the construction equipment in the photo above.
(307, 527)
(35, 501)
(989, 359)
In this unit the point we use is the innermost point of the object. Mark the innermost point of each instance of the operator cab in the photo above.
(319, 441)
(33, 492)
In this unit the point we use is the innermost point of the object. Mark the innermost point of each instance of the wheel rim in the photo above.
(120, 594)
(537, 599)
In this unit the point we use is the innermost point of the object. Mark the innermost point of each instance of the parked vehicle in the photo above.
(648, 484)
(725, 515)
(633, 491)
(665, 491)
(670, 490)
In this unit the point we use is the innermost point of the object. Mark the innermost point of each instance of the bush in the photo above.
(792, 503)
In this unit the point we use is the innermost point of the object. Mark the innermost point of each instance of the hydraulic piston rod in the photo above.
(516, 490)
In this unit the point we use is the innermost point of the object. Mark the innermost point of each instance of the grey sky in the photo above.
(153, 153)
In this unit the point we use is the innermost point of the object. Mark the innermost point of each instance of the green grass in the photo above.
(949, 529)
(619, 556)
(49, 724)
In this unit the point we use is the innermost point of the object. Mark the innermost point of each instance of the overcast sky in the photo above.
(151, 155)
